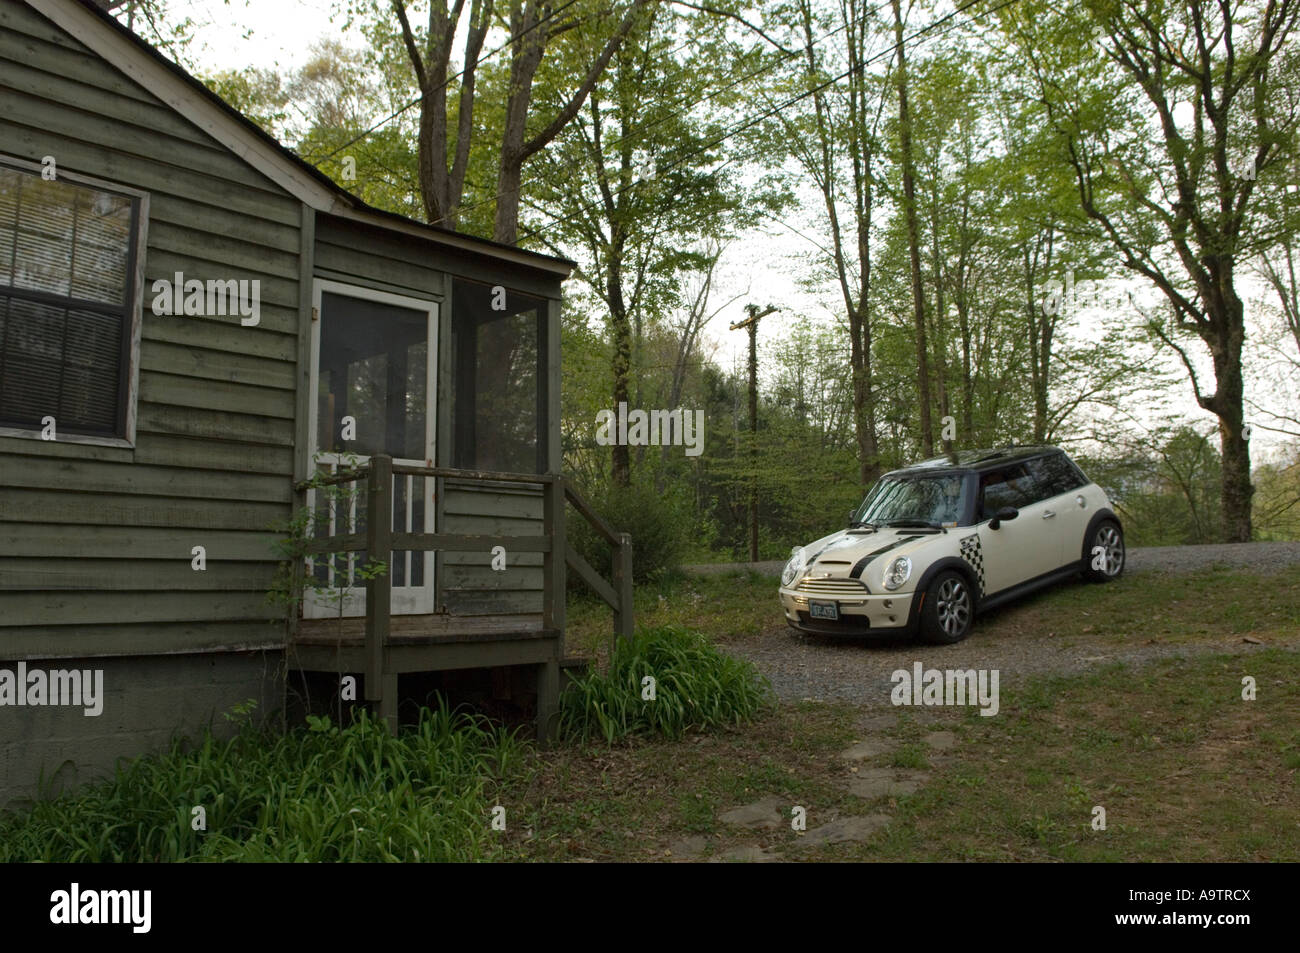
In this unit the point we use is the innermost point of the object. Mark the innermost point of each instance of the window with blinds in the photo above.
(67, 265)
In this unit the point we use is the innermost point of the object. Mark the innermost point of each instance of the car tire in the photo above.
(948, 611)
(1110, 537)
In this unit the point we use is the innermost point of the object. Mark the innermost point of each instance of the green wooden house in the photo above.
(202, 337)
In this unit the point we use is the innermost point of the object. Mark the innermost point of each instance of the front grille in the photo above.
(834, 588)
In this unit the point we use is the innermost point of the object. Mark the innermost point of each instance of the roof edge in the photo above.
(174, 86)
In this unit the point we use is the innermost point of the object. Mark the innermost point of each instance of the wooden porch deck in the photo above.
(420, 643)
(381, 645)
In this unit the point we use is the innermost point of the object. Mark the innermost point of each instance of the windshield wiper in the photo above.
(927, 524)
(860, 525)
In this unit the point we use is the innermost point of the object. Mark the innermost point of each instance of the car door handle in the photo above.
(1048, 515)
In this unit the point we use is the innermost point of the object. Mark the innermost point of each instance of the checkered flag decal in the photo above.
(974, 554)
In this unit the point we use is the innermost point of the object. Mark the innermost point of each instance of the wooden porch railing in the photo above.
(552, 543)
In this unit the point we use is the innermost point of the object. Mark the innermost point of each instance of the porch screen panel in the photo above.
(373, 361)
(373, 368)
(67, 260)
(499, 392)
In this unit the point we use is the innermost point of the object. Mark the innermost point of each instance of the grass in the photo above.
(727, 606)
(1186, 770)
(1187, 607)
(1162, 607)
(665, 681)
(316, 794)
(1184, 767)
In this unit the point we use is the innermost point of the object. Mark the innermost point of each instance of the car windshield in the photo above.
(922, 500)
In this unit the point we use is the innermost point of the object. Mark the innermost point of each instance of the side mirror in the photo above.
(1003, 515)
(848, 520)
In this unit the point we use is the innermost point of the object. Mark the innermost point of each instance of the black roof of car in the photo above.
(979, 461)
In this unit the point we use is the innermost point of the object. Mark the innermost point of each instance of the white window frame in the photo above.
(406, 600)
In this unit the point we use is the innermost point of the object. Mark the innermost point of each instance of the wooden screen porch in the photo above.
(381, 646)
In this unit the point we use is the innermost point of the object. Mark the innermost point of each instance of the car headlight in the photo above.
(797, 557)
(899, 571)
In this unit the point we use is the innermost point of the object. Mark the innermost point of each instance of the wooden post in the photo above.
(379, 590)
(388, 703)
(548, 699)
(554, 586)
(554, 567)
(623, 586)
(751, 323)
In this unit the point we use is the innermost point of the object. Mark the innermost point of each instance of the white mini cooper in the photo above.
(934, 543)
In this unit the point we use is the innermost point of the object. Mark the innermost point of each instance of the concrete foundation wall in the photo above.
(147, 701)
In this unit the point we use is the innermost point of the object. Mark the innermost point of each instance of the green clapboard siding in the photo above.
(54, 607)
(221, 334)
(93, 477)
(111, 509)
(96, 543)
(204, 364)
(460, 602)
(176, 575)
(87, 641)
(467, 580)
(134, 542)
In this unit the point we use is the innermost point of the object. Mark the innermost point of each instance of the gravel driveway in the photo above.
(807, 667)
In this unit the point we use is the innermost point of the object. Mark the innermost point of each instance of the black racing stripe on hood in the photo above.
(817, 555)
(861, 564)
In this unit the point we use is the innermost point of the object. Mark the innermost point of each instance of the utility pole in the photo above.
(751, 324)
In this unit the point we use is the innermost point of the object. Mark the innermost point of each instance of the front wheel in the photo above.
(1105, 557)
(949, 609)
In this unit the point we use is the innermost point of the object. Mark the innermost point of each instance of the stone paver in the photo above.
(842, 830)
(877, 722)
(941, 740)
(688, 848)
(862, 750)
(765, 814)
(881, 782)
(748, 854)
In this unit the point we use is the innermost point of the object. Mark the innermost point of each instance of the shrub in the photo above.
(660, 525)
(315, 794)
(696, 687)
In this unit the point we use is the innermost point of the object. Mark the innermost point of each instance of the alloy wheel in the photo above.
(954, 607)
(1112, 544)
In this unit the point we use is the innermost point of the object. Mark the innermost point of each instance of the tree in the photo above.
(1170, 195)
(629, 190)
(835, 143)
(913, 237)
(446, 138)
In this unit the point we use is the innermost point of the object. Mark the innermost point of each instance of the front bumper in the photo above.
(889, 614)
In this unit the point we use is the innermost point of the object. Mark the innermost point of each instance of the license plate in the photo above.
(824, 610)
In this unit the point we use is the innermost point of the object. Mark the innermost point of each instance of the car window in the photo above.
(1054, 475)
(937, 499)
(1009, 486)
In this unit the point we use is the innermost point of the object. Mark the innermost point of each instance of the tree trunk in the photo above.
(621, 333)
(1226, 403)
(913, 241)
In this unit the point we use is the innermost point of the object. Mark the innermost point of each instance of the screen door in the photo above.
(374, 356)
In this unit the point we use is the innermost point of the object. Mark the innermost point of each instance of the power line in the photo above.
(642, 131)
(741, 127)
